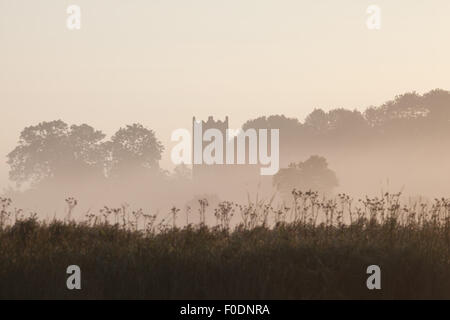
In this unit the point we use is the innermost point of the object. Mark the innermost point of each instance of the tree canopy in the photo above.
(311, 174)
(57, 151)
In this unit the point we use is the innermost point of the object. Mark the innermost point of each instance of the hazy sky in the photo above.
(159, 62)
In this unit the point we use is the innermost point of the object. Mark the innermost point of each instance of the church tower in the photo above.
(205, 170)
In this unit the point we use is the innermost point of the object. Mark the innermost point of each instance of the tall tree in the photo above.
(55, 150)
(312, 174)
(134, 149)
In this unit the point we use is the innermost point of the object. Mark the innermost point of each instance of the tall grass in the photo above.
(313, 247)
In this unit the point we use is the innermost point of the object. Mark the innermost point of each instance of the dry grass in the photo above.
(313, 248)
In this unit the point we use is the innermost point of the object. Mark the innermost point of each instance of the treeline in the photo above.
(409, 116)
(54, 149)
(387, 141)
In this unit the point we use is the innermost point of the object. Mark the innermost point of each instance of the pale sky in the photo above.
(160, 62)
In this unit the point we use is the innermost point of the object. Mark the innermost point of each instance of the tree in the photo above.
(346, 121)
(406, 107)
(134, 149)
(53, 150)
(317, 121)
(291, 133)
(438, 103)
(312, 174)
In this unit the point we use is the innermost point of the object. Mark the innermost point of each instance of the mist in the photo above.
(399, 146)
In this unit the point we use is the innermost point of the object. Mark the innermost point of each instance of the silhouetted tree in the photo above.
(317, 121)
(55, 150)
(408, 106)
(312, 174)
(290, 130)
(411, 116)
(134, 149)
(438, 103)
(290, 125)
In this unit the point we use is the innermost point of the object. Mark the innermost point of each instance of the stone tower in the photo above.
(204, 170)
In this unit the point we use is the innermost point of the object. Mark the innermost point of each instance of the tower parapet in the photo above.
(222, 126)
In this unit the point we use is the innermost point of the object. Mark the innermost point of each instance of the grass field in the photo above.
(316, 249)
